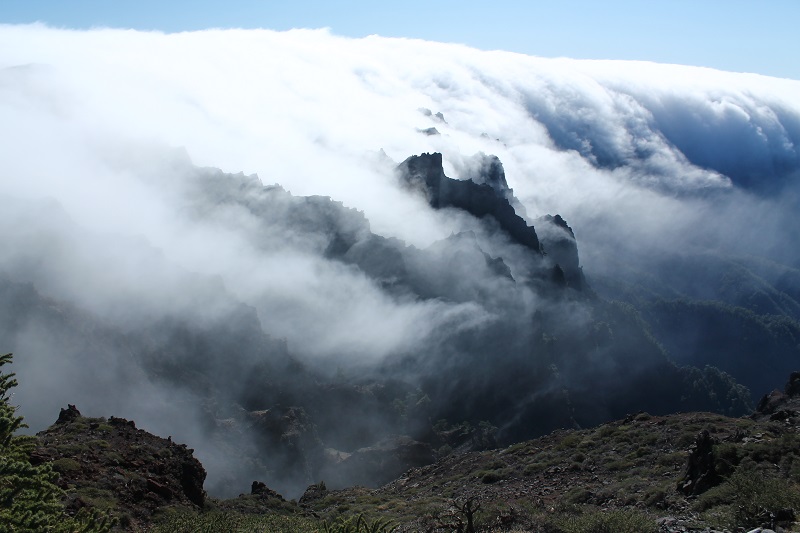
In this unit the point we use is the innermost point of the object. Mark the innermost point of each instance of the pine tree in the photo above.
(30, 501)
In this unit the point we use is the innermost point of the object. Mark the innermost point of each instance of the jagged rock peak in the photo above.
(426, 174)
(488, 169)
(68, 415)
(560, 222)
(259, 488)
(438, 116)
(558, 241)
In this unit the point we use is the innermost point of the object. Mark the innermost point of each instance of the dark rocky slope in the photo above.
(645, 467)
(669, 474)
(108, 464)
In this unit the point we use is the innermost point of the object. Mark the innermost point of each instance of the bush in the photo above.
(533, 468)
(610, 522)
(578, 495)
(750, 498)
(493, 476)
(655, 497)
(65, 464)
(759, 498)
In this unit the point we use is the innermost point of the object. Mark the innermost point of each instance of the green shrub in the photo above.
(65, 464)
(533, 468)
(493, 476)
(726, 458)
(758, 497)
(620, 464)
(606, 431)
(571, 440)
(610, 522)
(671, 459)
(496, 464)
(655, 496)
(578, 495)
(29, 499)
(749, 498)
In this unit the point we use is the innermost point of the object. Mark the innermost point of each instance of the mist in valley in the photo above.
(212, 233)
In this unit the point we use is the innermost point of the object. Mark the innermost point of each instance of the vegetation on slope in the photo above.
(644, 473)
(29, 497)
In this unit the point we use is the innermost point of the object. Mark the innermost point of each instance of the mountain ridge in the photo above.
(638, 470)
(542, 352)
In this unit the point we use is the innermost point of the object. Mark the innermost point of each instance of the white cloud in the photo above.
(100, 122)
(593, 140)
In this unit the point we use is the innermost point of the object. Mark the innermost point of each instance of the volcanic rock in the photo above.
(426, 174)
(139, 471)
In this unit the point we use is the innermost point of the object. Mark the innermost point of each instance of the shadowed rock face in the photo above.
(485, 193)
(488, 170)
(701, 472)
(558, 242)
(425, 173)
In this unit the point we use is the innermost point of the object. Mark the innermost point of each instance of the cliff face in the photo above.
(560, 245)
(425, 173)
(488, 170)
(485, 194)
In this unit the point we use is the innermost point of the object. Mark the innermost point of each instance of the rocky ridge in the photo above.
(484, 193)
(571, 360)
(681, 473)
(110, 464)
(426, 174)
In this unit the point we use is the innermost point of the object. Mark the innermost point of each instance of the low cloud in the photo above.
(107, 205)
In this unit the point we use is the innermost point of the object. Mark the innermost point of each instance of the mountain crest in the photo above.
(426, 173)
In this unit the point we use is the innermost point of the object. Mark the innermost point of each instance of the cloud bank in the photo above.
(102, 131)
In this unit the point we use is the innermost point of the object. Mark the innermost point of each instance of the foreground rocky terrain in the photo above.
(676, 473)
(112, 466)
(454, 253)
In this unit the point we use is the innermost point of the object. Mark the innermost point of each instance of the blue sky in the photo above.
(737, 35)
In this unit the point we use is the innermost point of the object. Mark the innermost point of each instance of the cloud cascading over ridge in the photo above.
(99, 130)
(625, 151)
